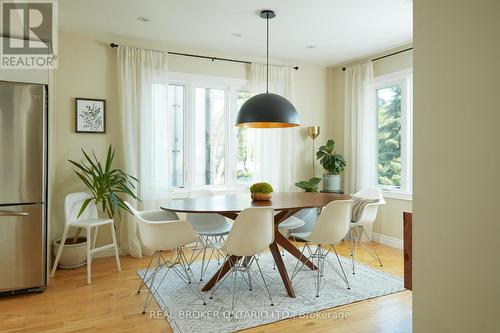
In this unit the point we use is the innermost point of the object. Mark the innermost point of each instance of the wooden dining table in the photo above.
(284, 204)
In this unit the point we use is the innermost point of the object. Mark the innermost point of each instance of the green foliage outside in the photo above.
(389, 138)
(261, 188)
(310, 185)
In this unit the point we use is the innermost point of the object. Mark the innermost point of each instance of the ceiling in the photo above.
(339, 30)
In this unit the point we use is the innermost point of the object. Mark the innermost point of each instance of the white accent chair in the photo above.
(211, 228)
(88, 221)
(252, 233)
(167, 236)
(368, 217)
(330, 229)
(151, 216)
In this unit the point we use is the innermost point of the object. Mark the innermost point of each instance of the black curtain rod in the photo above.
(388, 55)
(203, 56)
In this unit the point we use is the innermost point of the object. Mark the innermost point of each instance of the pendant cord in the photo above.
(267, 55)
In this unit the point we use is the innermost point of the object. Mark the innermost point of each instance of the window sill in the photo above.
(398, 195)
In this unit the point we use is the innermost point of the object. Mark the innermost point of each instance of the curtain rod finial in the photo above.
(343, 69)
(113, 45)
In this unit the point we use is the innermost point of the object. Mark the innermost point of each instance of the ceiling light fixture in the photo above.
(237, 34)
(267, 110)
(310, 47)
(142, 19)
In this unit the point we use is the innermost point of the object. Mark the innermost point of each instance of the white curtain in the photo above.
(143, 92)
(360, 127)
(275, 147)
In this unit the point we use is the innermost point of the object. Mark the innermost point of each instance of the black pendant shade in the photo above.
(267, 110)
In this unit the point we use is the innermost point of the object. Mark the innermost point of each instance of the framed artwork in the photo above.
(90, 115)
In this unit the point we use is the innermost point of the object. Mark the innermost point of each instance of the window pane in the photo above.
(209, 142)
(389, 136)
(176, 112)
(245, 149)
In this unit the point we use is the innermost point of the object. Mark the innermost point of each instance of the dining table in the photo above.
(285, 205)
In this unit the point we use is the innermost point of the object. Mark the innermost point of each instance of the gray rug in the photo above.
(186, 313)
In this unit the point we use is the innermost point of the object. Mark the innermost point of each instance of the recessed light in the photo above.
(310, 47)
(237, 34)
(142, 19)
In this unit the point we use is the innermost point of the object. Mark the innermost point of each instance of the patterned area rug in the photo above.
(186, 313)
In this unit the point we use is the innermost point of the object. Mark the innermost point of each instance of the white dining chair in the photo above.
(89, 220)
(367, 218)
(252, 233)
(211, 228)
(330, 229)
(166, 236)
(151, 216)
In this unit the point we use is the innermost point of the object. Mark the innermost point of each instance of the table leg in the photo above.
(220, 273)
(282, 269)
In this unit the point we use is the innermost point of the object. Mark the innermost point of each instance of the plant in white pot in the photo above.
(333, 163)
(105, 185)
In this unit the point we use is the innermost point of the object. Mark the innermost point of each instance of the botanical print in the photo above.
(90, 116)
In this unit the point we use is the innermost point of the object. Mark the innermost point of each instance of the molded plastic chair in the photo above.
(330, 229)
(88, 220)
(166, 236)
(211, 228)
(368, 217)
(252, 233)
(151, 216)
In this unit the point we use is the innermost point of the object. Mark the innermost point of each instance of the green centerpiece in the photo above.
(261, 191)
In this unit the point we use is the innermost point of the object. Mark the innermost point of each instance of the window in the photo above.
(394, 132)
(207, 149)
(209, 136)
(245, 150)
(176, 113)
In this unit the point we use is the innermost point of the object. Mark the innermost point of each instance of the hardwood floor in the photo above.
(111, 304)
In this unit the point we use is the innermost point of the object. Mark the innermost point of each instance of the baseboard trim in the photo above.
(386, 240)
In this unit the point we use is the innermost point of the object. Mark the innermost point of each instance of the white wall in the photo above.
(456, 226)
(389, 221)
(87, 68)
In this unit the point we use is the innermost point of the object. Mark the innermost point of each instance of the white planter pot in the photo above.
(331, 183)
(72, 256)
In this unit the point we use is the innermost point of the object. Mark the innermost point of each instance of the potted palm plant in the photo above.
(333, 163)
(106, 185)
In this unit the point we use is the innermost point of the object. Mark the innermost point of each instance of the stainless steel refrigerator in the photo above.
(23, 167)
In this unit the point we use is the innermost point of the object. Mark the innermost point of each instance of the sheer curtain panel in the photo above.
(143, 92)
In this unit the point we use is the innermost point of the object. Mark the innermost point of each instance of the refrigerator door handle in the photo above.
(11, 213)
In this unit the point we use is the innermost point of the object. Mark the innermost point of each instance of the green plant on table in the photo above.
(261, 188)
(310, 185)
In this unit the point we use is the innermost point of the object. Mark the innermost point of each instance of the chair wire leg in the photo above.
(370, 248)
(341, 267)
(264, 281)
(143, 281)
(217, 281)
(148, 297)
(192, 257)
(295, 271)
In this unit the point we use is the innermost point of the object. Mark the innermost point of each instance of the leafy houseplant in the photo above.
(310, 185)
(261, 191)
(104, 183)
(333, 163)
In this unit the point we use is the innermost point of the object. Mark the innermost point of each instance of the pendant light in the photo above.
(267, 110)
